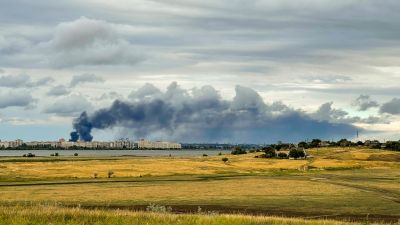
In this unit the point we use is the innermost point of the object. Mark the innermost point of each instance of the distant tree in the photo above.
(95, 175)
(282, 155)
(302, 144)
(56, 154)
(225, 159)
(296, 153)
(270, 152)
(238, 151)
(75, 154)
(315, 143)
(205, 155)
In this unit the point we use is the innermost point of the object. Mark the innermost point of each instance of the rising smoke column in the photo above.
(201, 115)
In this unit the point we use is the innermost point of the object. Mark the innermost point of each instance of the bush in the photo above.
(30, 155)
(205, 155)
(225, 159)
(269, 152)
(95, 175)
(238, 151)
(282, 155)
(220, 153)
(56, 154)
(296, 153)
(110, 173)
(75, 154)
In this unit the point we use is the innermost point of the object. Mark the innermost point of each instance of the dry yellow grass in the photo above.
(44, 215)
(163, 166)
(252, 187)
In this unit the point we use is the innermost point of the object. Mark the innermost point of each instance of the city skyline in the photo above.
(234, 72)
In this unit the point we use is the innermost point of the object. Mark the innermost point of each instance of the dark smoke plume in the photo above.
(200, 115)
(74, 136)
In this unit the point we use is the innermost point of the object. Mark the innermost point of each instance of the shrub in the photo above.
(30, 155)
(238, 151)
(269, 153)
(75, 154)
(56, 154)
(205, 155)
(296, 153)
(220, 153)
(225, 159)
(110, 173)
(282, 155)
(95, 175)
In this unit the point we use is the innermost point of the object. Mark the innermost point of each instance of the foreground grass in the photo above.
(41, 215)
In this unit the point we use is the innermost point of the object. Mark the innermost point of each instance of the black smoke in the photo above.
(200, 115)
(74, 136)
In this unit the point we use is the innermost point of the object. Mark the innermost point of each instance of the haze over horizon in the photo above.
(200, 71)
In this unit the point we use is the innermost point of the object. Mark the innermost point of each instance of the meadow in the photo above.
(347, 184)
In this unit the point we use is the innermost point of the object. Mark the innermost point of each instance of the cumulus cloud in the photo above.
(14, 80)
(44, 81)
(58, 90)
(391, 107)
(16, 99)
(22, 80)
(364, 102)
(90, 42)
(327, 113)
(202, 115)
(146, 91)
(69, 106)
(85, 78)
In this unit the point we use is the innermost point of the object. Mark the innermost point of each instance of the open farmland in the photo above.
(338, 183)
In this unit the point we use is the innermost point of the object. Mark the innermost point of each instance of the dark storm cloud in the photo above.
(364, 102)
(391, 107)
(201, 115)
(85, 78)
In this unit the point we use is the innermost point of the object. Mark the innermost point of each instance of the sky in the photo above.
(200, 71)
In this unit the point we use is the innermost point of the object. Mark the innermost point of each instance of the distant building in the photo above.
(11, 144)
(146, 144)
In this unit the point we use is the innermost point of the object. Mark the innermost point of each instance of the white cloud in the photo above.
(69, 106)
(86, 41)
(85, 78)
(58, 90)
(15, 99)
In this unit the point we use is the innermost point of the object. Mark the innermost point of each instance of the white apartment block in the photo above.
(146, 144)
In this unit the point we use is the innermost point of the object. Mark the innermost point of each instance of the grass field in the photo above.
(338, 183)
(75, 216)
